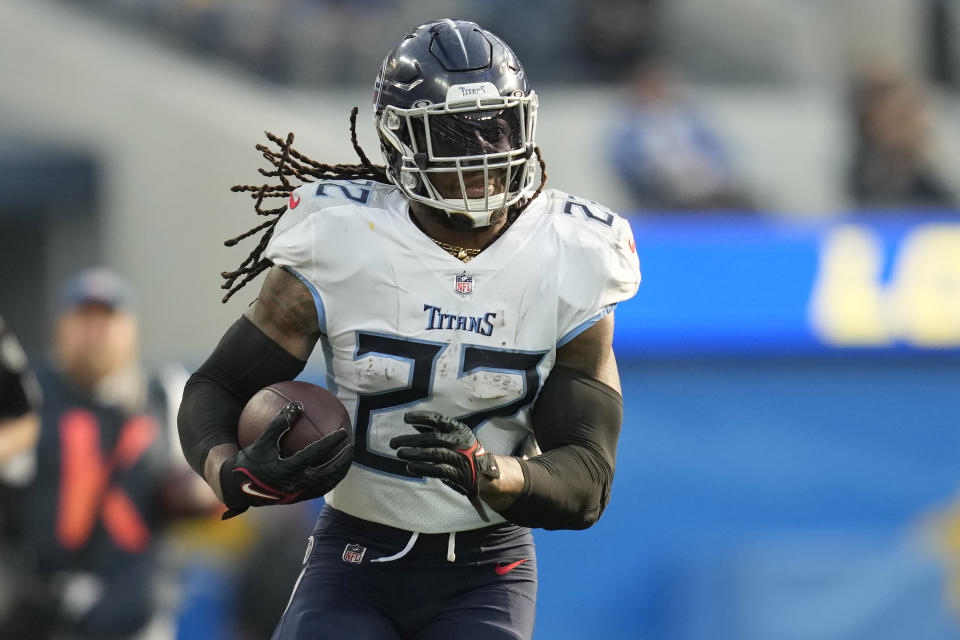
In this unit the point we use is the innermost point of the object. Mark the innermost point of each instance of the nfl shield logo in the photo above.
(463, 284)
(353, 553)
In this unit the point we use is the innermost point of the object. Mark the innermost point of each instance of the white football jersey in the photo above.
(408, 326)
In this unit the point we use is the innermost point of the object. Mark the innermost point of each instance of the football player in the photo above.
(466, 322)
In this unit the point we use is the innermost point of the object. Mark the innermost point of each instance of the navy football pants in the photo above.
(347, 590)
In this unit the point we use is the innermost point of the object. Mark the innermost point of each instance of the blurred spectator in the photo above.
(104, 482)
(19, 423)
(943, 51)
(614, 35)
(666, 154)
(19, 426)
(19, 399)
(892, 164)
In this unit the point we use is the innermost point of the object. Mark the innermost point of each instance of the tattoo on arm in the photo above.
(285, 311)
(591, 353)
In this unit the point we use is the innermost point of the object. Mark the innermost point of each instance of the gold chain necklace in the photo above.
(460, 253)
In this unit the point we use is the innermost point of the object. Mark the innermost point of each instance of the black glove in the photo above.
(447, 449)
(257, 475)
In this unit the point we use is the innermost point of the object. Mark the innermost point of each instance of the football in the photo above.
(322, 415)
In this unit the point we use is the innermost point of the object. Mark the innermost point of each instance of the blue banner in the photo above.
(749, 285)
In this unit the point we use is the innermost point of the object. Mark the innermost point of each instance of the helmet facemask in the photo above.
(469, 158)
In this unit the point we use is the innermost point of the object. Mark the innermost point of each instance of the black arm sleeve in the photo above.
(577, 422)
(244, 362)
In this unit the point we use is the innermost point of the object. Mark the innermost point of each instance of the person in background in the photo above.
(892, 163)
(19, 399)
(614, 35)
(19, 426)
(104, 483)
(666, 154)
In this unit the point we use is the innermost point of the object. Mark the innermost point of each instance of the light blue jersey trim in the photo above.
(327, 351)
(317, 300)
(583, 326)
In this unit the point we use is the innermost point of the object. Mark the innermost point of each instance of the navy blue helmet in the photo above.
(456, 120)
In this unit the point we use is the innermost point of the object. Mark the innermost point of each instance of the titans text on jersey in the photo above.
(437, 319)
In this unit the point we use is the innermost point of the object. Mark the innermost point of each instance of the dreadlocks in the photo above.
(290, 163)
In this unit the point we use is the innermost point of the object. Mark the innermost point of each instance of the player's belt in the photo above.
(456, 545)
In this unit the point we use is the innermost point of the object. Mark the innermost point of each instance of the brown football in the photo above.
(323, 414)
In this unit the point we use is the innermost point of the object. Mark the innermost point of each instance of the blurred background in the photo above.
(788, 467)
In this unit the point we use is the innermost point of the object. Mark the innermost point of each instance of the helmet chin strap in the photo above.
(459, 220)
(481, 214)
(462, 220)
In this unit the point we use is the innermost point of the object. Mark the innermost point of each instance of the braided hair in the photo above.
(289, 163)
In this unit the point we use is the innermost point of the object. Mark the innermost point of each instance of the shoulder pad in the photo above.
(324, 223)
(598, 259)
(578, 210)
(581, 221)
(325, 194)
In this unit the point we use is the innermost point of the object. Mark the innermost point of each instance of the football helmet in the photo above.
(456, 120)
